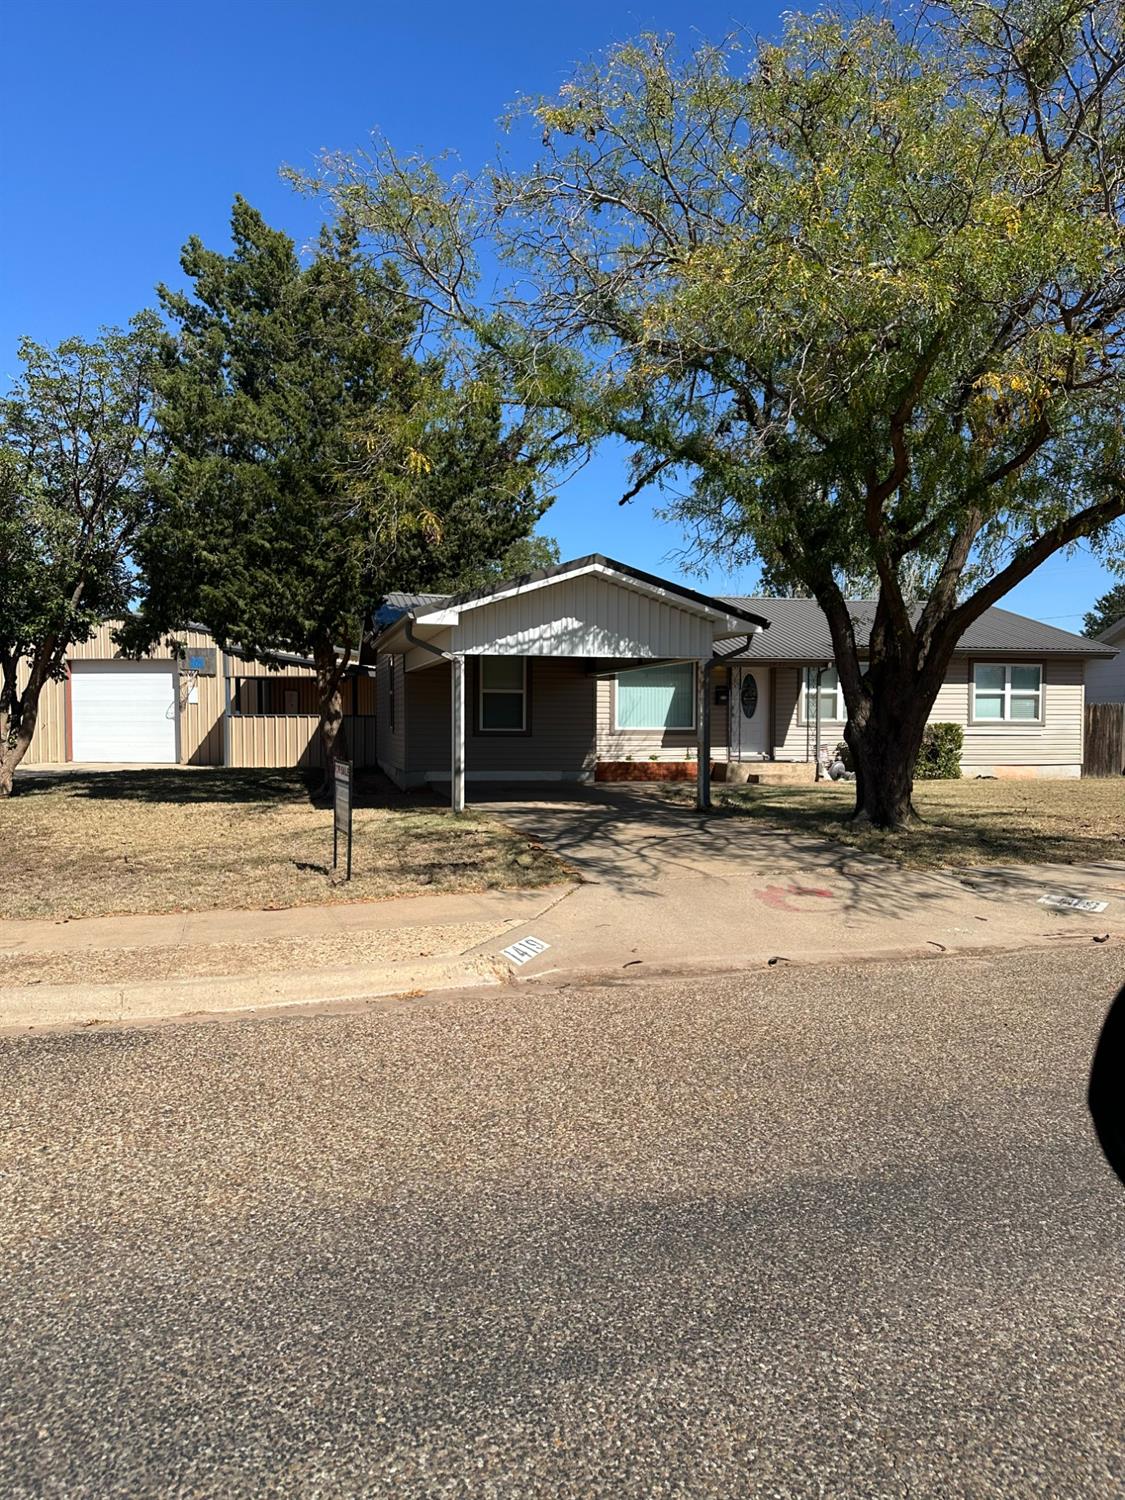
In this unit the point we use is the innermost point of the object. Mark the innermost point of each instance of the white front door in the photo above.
(750, 713)
(123, 711)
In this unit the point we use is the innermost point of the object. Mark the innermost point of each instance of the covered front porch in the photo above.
(507, 685)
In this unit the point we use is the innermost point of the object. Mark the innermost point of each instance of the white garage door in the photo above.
(123, 711)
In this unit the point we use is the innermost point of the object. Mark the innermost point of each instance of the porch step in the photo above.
(770, 772)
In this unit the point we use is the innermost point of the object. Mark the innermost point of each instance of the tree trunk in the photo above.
(884, 774)
(885, 746)
(19, 715)
(12, 752)
(329, 676)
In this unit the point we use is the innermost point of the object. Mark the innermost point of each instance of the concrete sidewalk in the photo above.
(141, 967)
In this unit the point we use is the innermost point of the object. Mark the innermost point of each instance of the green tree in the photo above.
(317, 458)
(1106, 611)
(859, 295)
(79, 457)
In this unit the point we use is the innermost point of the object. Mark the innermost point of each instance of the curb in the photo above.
(25, 1007)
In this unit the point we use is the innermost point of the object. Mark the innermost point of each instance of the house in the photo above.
(592, 664)
(1105, 679)
(206, 707)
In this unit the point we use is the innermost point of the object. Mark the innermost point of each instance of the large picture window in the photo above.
(1007, 693)
(833, 709)
(656, 697)
(503, 695)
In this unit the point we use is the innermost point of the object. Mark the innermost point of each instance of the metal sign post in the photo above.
(342, 812)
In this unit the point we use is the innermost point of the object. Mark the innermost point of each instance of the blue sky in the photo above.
(126, 126)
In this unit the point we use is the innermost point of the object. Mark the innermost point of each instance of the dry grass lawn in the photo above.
(965, 822)
(97, 844)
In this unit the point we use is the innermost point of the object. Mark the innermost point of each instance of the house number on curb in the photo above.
(526, 948)
(1073, 903)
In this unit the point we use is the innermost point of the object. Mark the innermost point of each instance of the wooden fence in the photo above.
(1105, 739)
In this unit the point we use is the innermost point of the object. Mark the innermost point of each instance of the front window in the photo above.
(656, 697)
(503, 694)
(832, 707)
(1007, 693)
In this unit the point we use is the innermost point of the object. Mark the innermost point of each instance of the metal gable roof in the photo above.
(397, 606)
(799, 632)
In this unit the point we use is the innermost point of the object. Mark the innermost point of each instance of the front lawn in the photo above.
(93, 844)
(966, 822)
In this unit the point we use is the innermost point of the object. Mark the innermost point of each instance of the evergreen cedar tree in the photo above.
(316, 458)
(856, 296)
(1106, 611)
(79, 460)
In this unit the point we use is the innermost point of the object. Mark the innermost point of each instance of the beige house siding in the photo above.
(1055, 745)
(560, 743)
(1053, 748)
(792, 739)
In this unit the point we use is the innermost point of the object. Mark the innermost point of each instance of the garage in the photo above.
(123, 712)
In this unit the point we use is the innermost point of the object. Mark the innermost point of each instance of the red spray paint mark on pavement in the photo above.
(783, 896)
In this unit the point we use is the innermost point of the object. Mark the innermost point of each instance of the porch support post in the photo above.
(457, 719)
(703, 734)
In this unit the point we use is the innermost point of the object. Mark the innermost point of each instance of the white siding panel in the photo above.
(583, 617)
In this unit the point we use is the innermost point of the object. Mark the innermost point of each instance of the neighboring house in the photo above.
(1105, 680)
(204, 708)
(545, 678)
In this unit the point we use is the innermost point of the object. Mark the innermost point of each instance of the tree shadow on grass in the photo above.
(187, 786)
(942, 837)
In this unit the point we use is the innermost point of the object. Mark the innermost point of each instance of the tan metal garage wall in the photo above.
(284, 740)
(49, 744)
(278, 740)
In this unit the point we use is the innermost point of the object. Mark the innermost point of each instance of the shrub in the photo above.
(940, 756)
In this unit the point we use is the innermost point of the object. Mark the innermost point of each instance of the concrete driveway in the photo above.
(664, 885)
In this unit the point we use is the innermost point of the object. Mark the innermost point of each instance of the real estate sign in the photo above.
(342, 813)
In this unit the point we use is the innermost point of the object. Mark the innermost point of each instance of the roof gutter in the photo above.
(408, 624)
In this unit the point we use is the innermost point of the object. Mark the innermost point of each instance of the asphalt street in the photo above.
(803, 1232)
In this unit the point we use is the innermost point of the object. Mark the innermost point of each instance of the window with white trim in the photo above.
(503, 695)
(661, 697)
(833, 709)
(1007, 692)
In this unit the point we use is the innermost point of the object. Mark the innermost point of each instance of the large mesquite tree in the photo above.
(79, 460)
(857, 296)
(317, 457)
